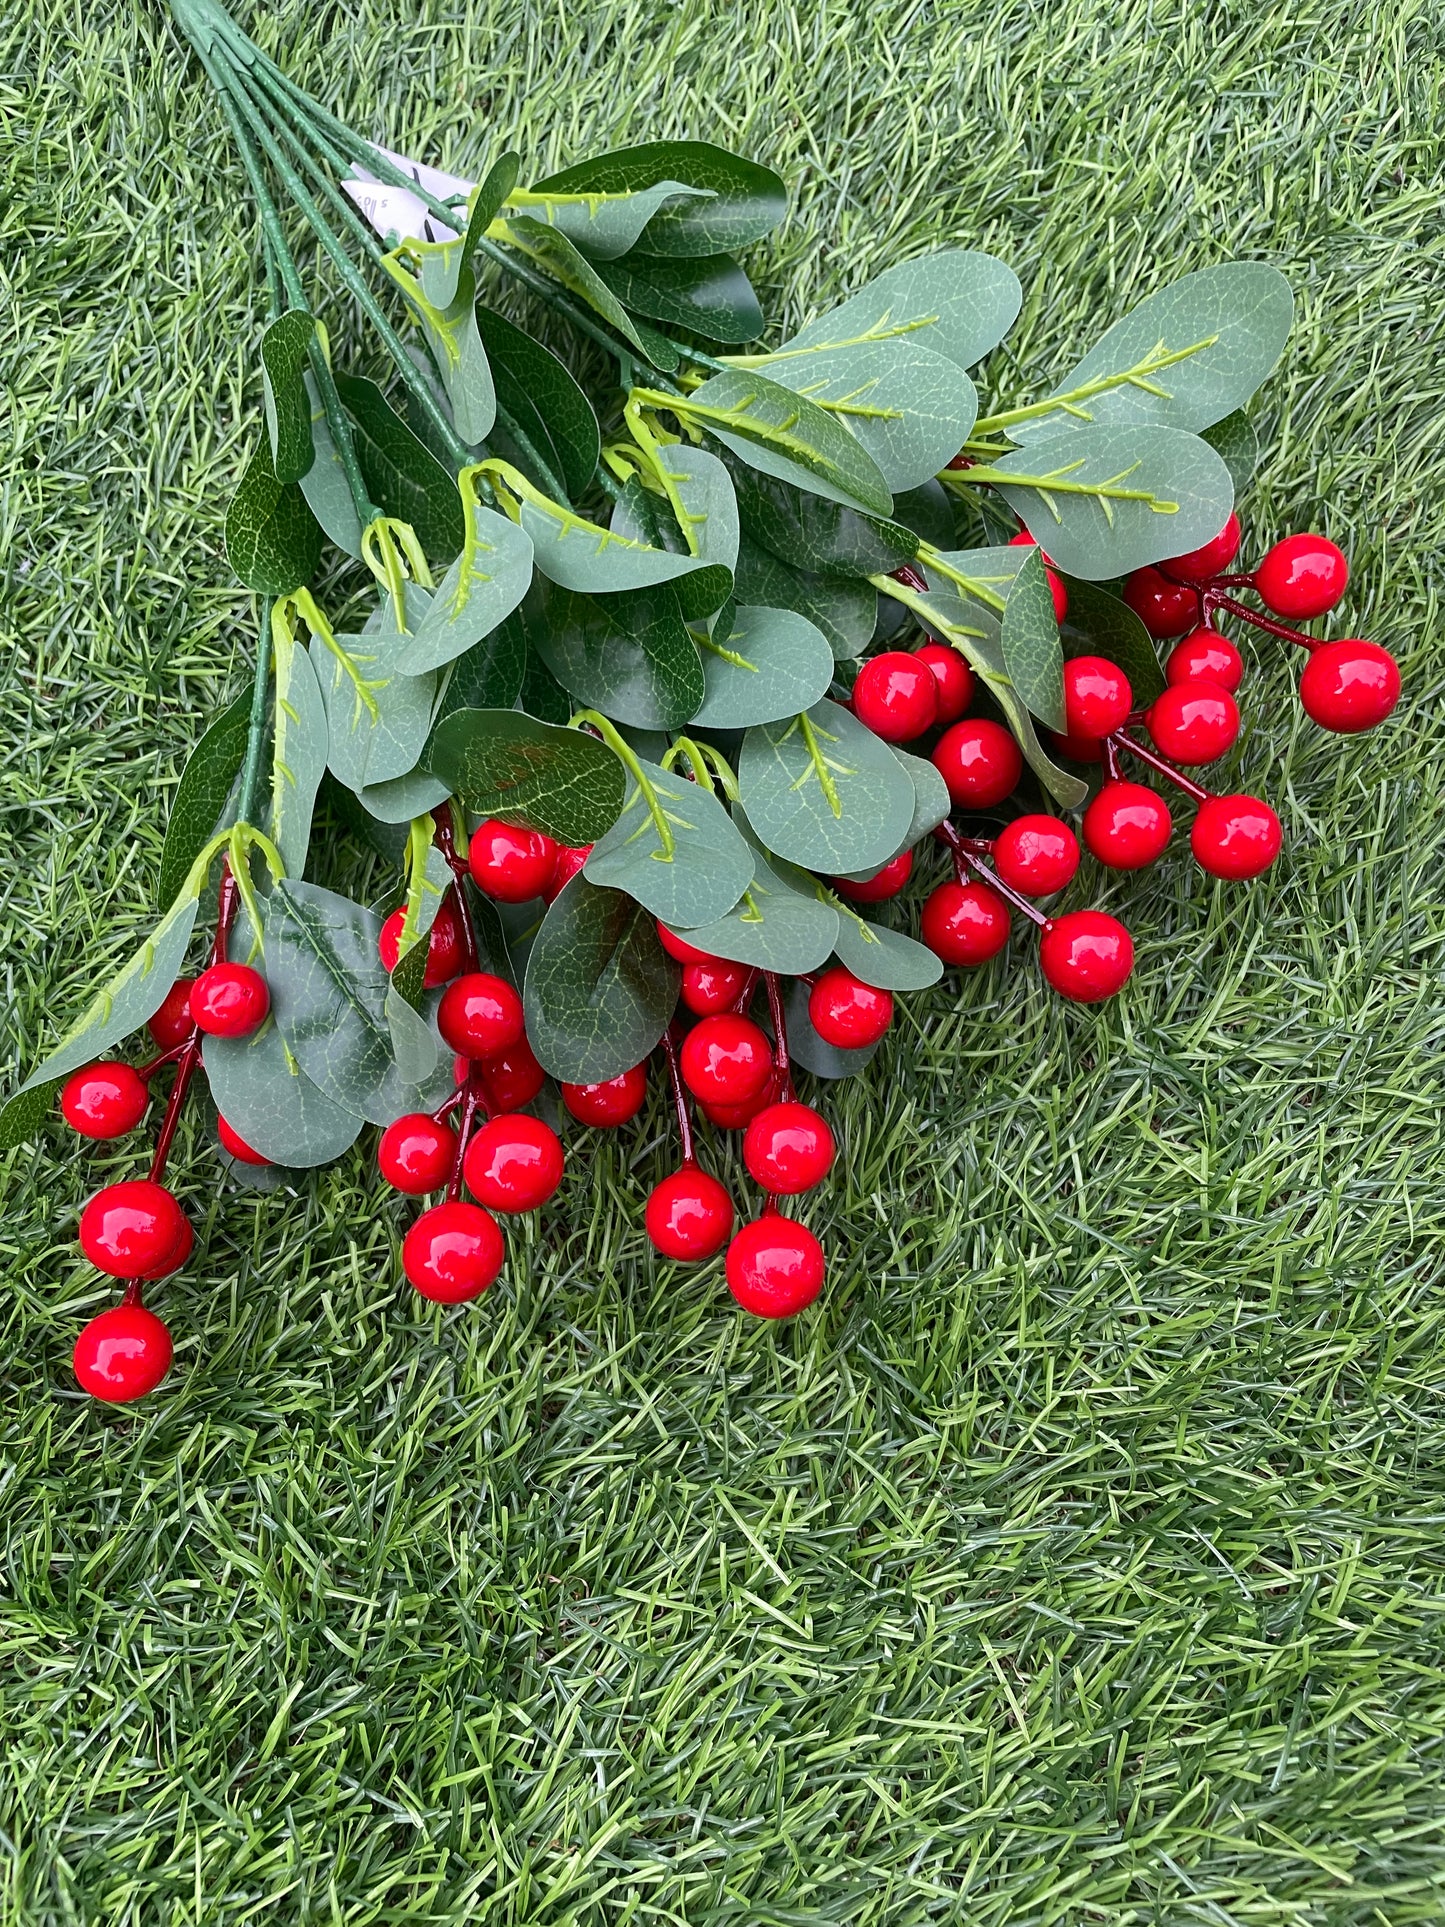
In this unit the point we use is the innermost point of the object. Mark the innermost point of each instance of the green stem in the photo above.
(256, 728)
(1071, 402)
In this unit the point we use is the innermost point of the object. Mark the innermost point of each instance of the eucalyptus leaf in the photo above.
(499, 762)
(807, 1047)
(300, 744)
(674, 848)
(490, 674)
(1237, 446)
(702, 496)
(844, 610)
(931, 800)
(461, 360)
(448, 263)
(1030, 642)
(566, 264)
(262, 1092)
(603, 224)
(772, 926)
(958, 302)
(201, 795)
(579, 555)
(273, 541)
(912, 409)
(787, 435)
(416, 1046)
(883, 957)
(371, 741)
(403, 798)
(708, 295)
(327, 491)
(402, 475)
(767, 664)
(928, 512)
(540, 396)
(630, 655)
(1099, 624)
(824, 792)
(600, 989)
(284, 349)
(480, 590)
(745, 201)
(813, 533)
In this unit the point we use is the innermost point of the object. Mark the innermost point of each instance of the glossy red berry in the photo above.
(965, 923)
(1165, 608)
(712, 986)
(680, 948)
(689, 1215)
(1127, 826)
(512, 1078)
(1235, 837)
(726, 1059)
(135, 1230)
(1097, 697)
(896, 696)
(514, 1163)
(737, 1117)
(775, 1267)
(122, 1354)
(1057, 587)
(1350, 685)
(453, 1252)
(172, 1023)
(1036, 855)
(846, 1012)
(445, 951)
(979, 762)
(1086, 955)
(416, 1153)
(105, 1100)
(236, 1145)
(480, 1015)
(1211, 558)
(1205, 656)
(882, 885)
(1302, 577)
(1193, 722)
(511, 864)
(570, 858)
(954, 677)
(610, 1103)
(788, 1148)
(1078, 749)
(230, 1000)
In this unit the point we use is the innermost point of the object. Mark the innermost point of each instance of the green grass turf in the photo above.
(1079, 1558)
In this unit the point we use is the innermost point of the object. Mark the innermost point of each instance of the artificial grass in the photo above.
(1078, 1558)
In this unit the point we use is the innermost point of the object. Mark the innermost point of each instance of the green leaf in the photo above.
(911, 409)
(786, 435)
(1030, 642)
(1237, 446)
(844, 610)
(502, 763)
(201, 795)
(602, 224)
(299, 747)
(579, 555)
(371, 744)
(807, 1047)
(273, 540)
(480, 590)
(678, 852)
(262, 1092)
(448, 263)
(824, 792)
(767, 664)
(403, 798)
(402, 475)
(816, 534)
(490, 674)
(931, 800)
(539, 394)
(928, 512)
(747, 201)
(327, 491)
(600, 988)
(630, 656)
(772, 926)
(709, 295)
(542, 695)
(703, 487)
(575, 272)
(284, 349)
(883, 957)
(957, 302)
(416, 1046)
(461, 360)
(1099, 624)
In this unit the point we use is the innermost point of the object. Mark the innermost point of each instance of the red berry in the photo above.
(135, 1230)
(1350, 685)
(514, 1163)
(1078, 749)
(680, 948)
(445, 952)
(1097, 697)
(846, 1012)
(788, 1148)
(775, 1267)
(689, 1215)
(712, 986)
(480, 1015)
(1211, 558)
(883, 884)
(954, 677)
(1086, 955)
(453, 1252)
(896, 696)
(232, 1141)
(737, 1117)
(570, 858)
(726, 1059)
(1235, 837)
(230, 1000)
(416, 1153)
(609, 1103)
(1301, 577)
(512, 1078)
(1057, 588)
(511, 864)
(1205, 656)
(1036, 855)
(979, 761)
(107, 1100)
(122, 1354)
(1127, 826)
(172, 1023)
(1165, 608)
(1193, 722)
(965, 923)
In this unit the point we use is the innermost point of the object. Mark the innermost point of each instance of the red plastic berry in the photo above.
(1193, 722)
(1301, 577)
(122, 1354)
(882, 885)
(416, 1153)
(1211, 558)
(1235, 837)
(1077, 749)
(680, 948)
(172, 1023)
(453, 1252)
(612, 1102)
(689, 1215)
(1036, 855)
(1097, 697)
(135, 1230)
(1205, 656)
(1165, 608)
(954, 677)
(979, 761)
(726, 1059)
(712, 986)
(1127, 826)
(480, 1015)
(570, 858)
(232, 1141)
(846, 1012)
(788, 1148)
(512, 1078)
(514, 1163)
(445, 952)
(737, 1117)
(965, 923)
(1057, 587)
(230, 1000)
(896, 696)
(1086, 955)
(1350, 685)
(511, 864)
(104, 1101)
(775, 1267)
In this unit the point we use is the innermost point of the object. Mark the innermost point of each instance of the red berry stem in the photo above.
(446, 842)
(966, 856)
(1156, 762)
(148, 1070)
(189, 1053)
(911, 578)
(449, 1104)
(783, 1064)
(1214, 600)
(679, 1095)
(474, 1099)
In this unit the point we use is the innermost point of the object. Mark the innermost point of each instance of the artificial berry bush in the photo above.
(678, 704)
